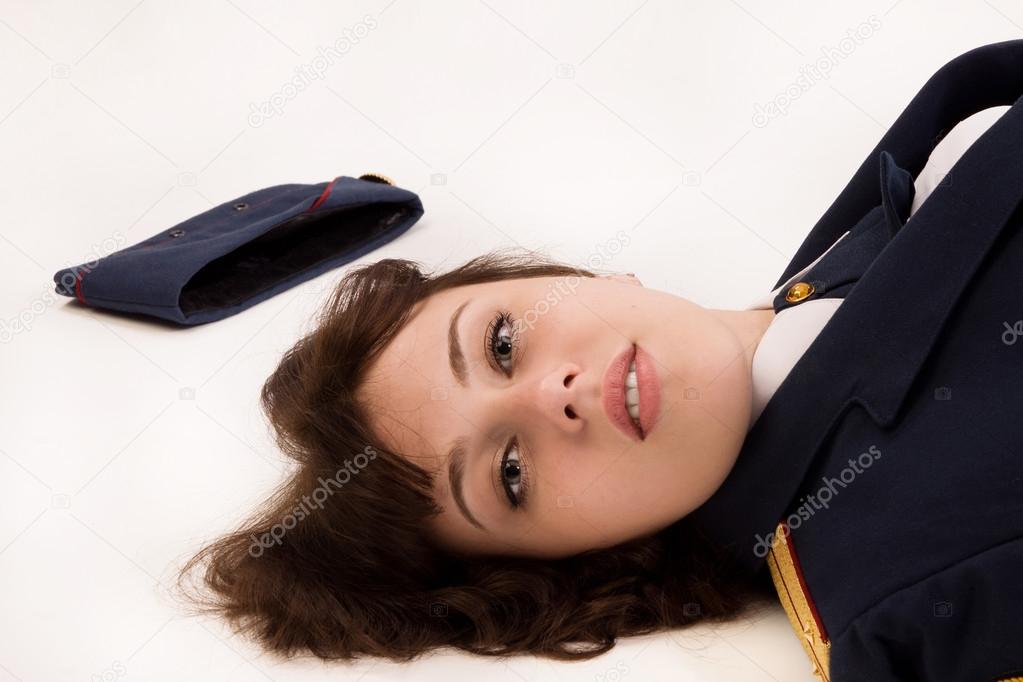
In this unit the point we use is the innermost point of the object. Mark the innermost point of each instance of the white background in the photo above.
(554, 126)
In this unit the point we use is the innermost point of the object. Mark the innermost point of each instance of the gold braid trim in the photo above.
(796, 603)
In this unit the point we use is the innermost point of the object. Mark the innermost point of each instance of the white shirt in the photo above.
(794, 328)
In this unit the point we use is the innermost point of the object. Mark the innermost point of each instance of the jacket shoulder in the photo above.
(962, 623)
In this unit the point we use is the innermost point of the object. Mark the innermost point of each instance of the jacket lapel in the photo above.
(984, 77)
(842, 266)
(875, 343)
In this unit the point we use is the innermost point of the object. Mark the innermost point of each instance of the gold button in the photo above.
(376, 177)
(798, 291)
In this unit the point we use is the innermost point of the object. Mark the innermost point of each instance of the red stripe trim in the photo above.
(802, 584)
(78, 288)
(323, 196)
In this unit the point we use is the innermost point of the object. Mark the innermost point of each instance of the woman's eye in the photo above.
(501, 335)
(511, 475)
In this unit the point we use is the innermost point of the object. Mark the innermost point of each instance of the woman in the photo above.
(390, 563)
(521, 456)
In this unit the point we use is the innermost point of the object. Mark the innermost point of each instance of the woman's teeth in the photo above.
(632, 393)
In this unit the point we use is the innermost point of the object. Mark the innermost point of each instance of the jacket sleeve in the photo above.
(961, 624)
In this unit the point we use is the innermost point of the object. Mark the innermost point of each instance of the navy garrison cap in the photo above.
(246, 250)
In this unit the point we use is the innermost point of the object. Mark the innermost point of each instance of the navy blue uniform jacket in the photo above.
(908, 408)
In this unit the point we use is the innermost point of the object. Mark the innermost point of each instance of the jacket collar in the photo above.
(984, 77)
(872, 348)
(848, 258)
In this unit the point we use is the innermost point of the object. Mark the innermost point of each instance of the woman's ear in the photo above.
(628, 278)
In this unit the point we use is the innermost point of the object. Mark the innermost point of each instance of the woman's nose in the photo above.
(555, 398)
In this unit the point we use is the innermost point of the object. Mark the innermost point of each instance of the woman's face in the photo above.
(535, 397)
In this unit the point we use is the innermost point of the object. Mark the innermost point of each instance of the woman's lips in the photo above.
(613, 396)
(649, 391)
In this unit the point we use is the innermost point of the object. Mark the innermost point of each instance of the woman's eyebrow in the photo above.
(456, 358)
(456, 466)
(457, 453)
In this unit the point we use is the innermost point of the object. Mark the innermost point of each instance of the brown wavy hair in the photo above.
(343, 567)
